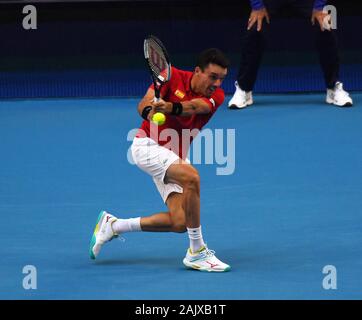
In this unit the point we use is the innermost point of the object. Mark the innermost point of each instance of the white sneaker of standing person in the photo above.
(240, 99)
(338, 96)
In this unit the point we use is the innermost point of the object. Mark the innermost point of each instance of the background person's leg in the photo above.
(326, 43)
(253, 44)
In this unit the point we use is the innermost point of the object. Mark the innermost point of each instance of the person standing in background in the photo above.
(253, 45)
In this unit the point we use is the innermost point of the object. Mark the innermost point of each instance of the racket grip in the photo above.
(157, 95)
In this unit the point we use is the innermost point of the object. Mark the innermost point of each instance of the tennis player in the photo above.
(188, 100)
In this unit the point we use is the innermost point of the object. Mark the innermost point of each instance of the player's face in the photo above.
(210, 78)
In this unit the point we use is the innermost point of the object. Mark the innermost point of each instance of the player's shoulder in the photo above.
(217, 97)
(219, 92)
(180, 76)
(179, 73)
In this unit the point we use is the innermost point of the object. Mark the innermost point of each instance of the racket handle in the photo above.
(157, 96)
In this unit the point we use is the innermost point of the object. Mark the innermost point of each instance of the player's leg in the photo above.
(180, 189)
(172, 221)
(198, 256)
(108, 226)
(188, 178)
(185, 198)
(154, 160)
(183, 202)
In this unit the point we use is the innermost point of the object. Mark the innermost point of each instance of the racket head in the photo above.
(158, 62)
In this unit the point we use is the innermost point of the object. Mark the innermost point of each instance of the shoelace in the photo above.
(207, 253)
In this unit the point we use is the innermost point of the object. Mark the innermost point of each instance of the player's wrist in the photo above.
(167, 107)
(146, 111)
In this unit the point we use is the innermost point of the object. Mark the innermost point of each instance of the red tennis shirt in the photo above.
(178, 132)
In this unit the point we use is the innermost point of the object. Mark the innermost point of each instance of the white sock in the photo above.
(127, 225)
(196, 241)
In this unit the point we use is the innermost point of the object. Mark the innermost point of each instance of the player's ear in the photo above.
(198, 70)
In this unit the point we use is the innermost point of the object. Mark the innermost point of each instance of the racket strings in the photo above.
(157, 60)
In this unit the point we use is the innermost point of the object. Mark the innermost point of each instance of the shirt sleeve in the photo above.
(215, 100)
(319, 4)
(256, 4)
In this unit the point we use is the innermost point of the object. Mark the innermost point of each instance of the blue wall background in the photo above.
(95, 49)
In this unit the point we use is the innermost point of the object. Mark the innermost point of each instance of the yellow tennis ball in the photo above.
(159, 118)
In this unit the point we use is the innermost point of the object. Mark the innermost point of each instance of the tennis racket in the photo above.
(158, 63)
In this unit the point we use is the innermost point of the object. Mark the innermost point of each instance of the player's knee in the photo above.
(192, 180)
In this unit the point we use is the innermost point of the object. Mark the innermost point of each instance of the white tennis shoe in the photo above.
(241, 98)
(204, 260)
(338, 96)
(102, 233)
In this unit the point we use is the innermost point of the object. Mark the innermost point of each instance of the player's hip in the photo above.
(151, 157)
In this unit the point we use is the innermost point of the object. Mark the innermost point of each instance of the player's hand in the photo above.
(323, 19)
(257, 16)
(162, 106)
(150, 114)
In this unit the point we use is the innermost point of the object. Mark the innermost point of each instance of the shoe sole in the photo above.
(330, 101)
(346, 105)
(194, 267)
(235, 107)
(94, 238)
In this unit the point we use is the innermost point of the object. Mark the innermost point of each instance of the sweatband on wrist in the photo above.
(145, 112)
(176, 108)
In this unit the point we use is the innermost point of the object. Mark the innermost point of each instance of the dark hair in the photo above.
(214, 56)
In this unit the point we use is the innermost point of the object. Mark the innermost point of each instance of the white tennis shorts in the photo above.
(154, 159)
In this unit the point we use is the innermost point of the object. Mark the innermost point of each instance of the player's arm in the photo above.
(184, 108)
(144, 105)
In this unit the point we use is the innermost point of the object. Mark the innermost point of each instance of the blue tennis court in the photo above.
(292, 206)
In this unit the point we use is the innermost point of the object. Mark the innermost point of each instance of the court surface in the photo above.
(292, 206)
